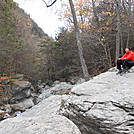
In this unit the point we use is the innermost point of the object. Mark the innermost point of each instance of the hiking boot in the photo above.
(124, 71)
(119, 72)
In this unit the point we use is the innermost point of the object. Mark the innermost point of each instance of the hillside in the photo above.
(35, 33)
(103, 105)
(20, 38)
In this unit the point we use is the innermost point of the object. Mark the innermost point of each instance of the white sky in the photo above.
(46, 18)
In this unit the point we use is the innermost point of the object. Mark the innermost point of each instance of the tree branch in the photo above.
(50, 4)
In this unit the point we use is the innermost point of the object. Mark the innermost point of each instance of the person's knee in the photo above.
(119, 61)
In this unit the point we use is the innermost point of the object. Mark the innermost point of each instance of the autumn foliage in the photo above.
(98, 26)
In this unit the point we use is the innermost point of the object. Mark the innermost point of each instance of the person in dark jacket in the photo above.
(120, 61)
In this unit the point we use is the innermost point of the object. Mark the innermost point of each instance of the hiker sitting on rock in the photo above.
(129, 60)
(120, 62)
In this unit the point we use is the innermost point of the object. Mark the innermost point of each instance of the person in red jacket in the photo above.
(129, 60)
(120, 62)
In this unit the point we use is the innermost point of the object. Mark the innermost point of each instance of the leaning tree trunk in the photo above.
(78, 39)
(118, 30)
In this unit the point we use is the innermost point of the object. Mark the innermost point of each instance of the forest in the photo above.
(106, 27)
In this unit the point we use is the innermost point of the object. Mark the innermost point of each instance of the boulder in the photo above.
(103, 105)
(80, 81)
(76, 80)
(21, 95)
(19, 85)
(16, 94)
(56, 82)
(61, 88)
(24, 104)
(21, 90)
(40, 119)
(58, 88)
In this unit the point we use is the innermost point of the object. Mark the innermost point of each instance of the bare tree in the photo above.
(129, 20)
(118, 29)
(95, 14)
(78, 38)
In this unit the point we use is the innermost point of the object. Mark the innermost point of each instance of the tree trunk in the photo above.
(128, 37)
(129, 21)
(121, 45)
(118, 30)
(95, 14)
(78, 39)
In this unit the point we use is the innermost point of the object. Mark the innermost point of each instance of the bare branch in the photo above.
(50, 4)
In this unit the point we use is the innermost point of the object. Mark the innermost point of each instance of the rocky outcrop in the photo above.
(43, 118)
(16, 95)
(103, 105)
(22, 95)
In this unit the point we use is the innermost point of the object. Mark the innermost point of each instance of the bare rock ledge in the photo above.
(43, 118)
(103, 105)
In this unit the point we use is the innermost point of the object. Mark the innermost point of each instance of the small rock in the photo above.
(80, 81)
(56, 82)
(17, 113)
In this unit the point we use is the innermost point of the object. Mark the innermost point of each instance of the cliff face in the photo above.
(103, 105)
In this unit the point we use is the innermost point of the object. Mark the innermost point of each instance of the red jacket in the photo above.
(126, 55)
(130, 56)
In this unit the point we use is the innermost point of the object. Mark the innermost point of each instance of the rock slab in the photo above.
(103, 105)
(43, 118)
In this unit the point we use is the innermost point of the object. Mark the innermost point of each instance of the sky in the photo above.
(46, 18)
